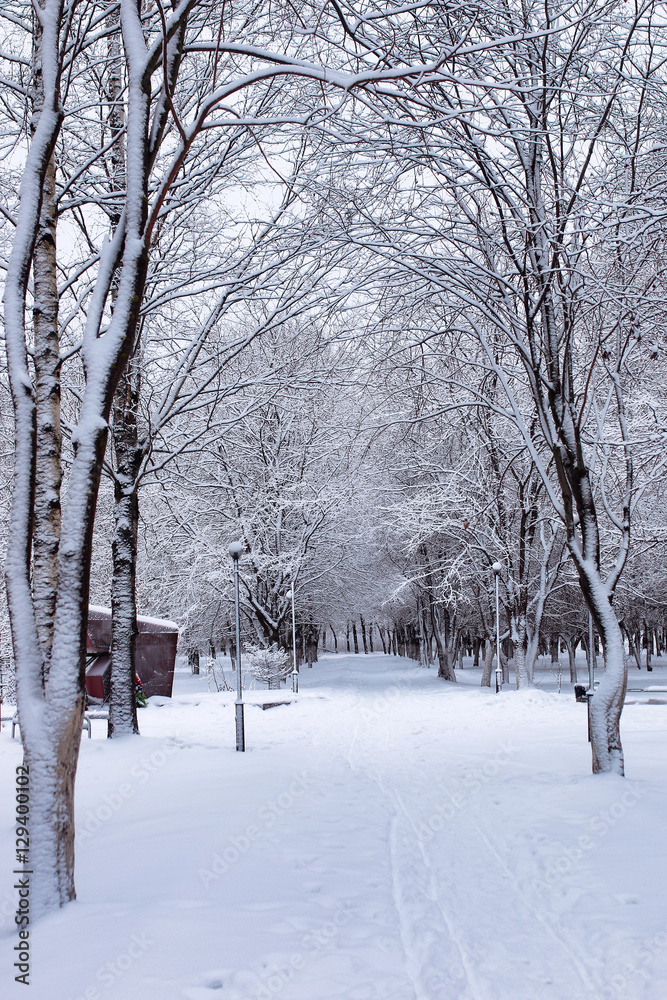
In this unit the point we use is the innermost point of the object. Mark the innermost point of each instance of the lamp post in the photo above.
(295, 672)
(235, 550)
(499, 671)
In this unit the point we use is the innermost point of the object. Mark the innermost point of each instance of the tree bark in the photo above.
(127, 454)
(363, 633)
(48, 472)
(445, 667)
(523, 673)
(50, 718)
(648, 644)
(607, 703)
(634, 643)
(571, 646)
(488, 663)
(312, 642)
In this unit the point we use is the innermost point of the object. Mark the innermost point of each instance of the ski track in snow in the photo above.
(433, 954)
(440, 962)
(448, 954)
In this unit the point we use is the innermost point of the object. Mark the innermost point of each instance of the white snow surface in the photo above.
(386, 836)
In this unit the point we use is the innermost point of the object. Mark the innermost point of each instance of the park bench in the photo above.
(86, 724)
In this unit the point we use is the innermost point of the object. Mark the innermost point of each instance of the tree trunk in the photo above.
(488, 663)
(126, 452)
(571, 646)
(401, 640)
(521, 672)
(607, 702)
(363, 633)
(50, 726)
(423, 646)
(52, 764)
(648, 644)
(355, 637)
(128, 456)
(312, 640)
(48, 473)
(445, 668)
(505, 664)
(634, 644)
(524, 660)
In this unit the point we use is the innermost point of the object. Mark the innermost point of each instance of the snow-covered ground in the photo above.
(386, 836)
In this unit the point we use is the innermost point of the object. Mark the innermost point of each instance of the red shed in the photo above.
(155, 653)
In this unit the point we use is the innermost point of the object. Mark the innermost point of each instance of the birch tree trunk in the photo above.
(126, 453)
(46, 359)
(128, 456)
(50, 706)
(522, 666)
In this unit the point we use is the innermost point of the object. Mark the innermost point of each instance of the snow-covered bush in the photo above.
(268, 664)
(215, 675)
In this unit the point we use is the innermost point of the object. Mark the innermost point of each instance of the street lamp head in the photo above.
(497, 568)
(289, 595)
(235, 550)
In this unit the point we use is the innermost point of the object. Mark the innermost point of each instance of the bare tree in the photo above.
(539, 259)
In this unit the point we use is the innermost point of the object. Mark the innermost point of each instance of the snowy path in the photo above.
(386, 838)
(459, 902)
